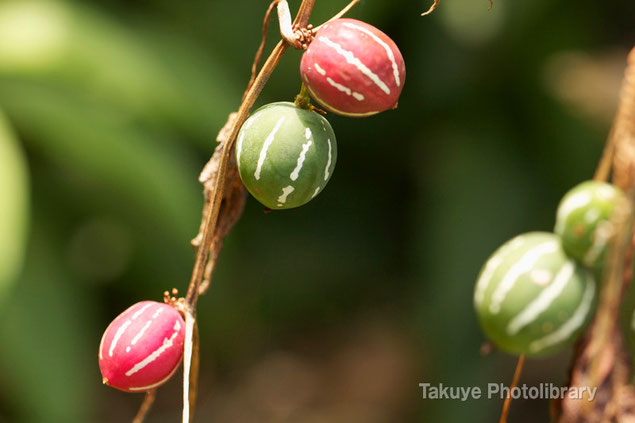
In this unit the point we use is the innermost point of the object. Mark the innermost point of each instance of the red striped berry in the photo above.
(353, 69)
(142, 347)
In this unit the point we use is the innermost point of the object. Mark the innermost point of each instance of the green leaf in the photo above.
(14, 205)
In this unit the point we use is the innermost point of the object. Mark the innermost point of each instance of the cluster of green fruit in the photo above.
(537, 292)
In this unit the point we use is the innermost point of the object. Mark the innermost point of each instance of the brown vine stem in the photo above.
(211, 219)
(261, 47)
(603, 170)
(304, 13)
(601, 361)
(508, 398)
(623, 130)
(234, 201)
(145, 406)
(217, 183)
(623, 125)
(212, 213)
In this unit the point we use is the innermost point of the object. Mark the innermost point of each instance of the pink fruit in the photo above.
(353, 69)
(142, 347)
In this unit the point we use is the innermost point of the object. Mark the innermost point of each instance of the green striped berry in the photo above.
(583, 220)
(531, 298)
(285, 155)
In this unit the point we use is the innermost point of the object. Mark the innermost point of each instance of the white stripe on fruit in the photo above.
(285, 193)
(167, 343)
(339, 112)
(571, 325)
(351, 59)
(265, 147)
(141, 332)
(140, 311)
(491, 266)
(571, 204)
(328, 163)
(391, 56)
(543, 301)
(523, 265)
(118, 334)
(340, 87)
(301, 158)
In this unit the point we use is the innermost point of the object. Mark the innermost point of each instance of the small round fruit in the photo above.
(353, 69)
(142, 347)
(531, 298)
(285, 155)
(583, 220)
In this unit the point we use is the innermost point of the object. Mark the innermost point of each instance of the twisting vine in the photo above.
(224, 191)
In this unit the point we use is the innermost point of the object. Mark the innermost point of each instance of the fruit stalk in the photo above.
(600, 359)
(508, 399)
(145, 406)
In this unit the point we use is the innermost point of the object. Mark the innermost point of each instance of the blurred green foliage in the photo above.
(14, 214)
(116, 105)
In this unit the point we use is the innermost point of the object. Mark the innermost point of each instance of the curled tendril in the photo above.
(431, 9)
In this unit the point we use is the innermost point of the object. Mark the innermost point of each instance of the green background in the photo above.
(333, 312)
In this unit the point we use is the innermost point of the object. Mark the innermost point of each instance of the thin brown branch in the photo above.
(234, 200)
(431, 9)
(603, 171)
(211, 219)
(338, 15)
(229, 215)
(215, 177)
(222, 158)
(261, 47)
(231, 209)
(225, 196)
(623, 130)
(304, 14)
(286, 30)
(508, 398)
(602, 361)
(225, 193)
(148, 400)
